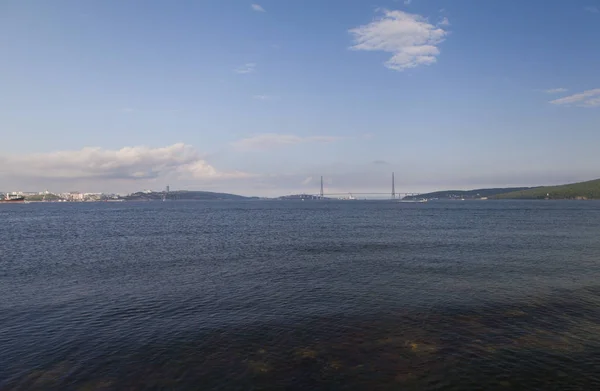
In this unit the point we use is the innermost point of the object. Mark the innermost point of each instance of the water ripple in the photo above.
(297, 296)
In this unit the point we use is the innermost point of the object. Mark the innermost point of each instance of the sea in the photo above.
(290, 295)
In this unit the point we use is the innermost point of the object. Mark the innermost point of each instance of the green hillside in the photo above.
(466, 194)
(43, 197)
(184, 195)
(581, 190)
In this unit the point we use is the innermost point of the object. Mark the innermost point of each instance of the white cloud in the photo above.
(307, 180)
(133, 163)
(589, 98)
(555, 90)
(444, 22)
(592, 9)
(274, 140)
(258, 8)
(246, 68)
(410, 38)
(594, 102)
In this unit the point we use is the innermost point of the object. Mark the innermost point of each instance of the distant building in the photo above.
(23, 193)
(76, 196)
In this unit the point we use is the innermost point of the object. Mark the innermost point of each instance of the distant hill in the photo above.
(466, 194)
(300, 197)
(582, 190)
(184, 195)
(43, 197)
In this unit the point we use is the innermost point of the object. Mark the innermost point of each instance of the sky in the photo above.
(263, 98)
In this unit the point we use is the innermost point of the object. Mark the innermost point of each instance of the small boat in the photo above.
(350, 197)
(419, 201)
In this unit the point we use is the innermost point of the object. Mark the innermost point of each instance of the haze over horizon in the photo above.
(263, 98)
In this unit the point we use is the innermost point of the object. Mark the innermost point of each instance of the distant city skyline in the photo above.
(263, 98)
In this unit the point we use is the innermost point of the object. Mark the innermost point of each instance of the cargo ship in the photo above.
(11, 198)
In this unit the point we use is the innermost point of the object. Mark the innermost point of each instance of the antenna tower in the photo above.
(321, 193)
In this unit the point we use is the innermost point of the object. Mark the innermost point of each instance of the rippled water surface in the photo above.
(258, 295)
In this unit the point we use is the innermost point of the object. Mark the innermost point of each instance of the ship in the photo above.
(12, 198)
(420, 200)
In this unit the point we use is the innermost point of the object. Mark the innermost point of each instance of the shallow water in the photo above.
(300, 295)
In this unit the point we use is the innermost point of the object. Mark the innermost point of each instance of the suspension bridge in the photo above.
(393, 194)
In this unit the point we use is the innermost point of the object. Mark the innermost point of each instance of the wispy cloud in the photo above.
(410, 38)
(275, 140)
(265, 97)
(592, 9)
(130, 163)
(594, 102)
(444, 22)
(589, 98)
(246, 68)
(258, 8)
(555, 90)
(307, 180)
(407, 2)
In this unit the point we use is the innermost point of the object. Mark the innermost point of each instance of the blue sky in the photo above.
(263, 98)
